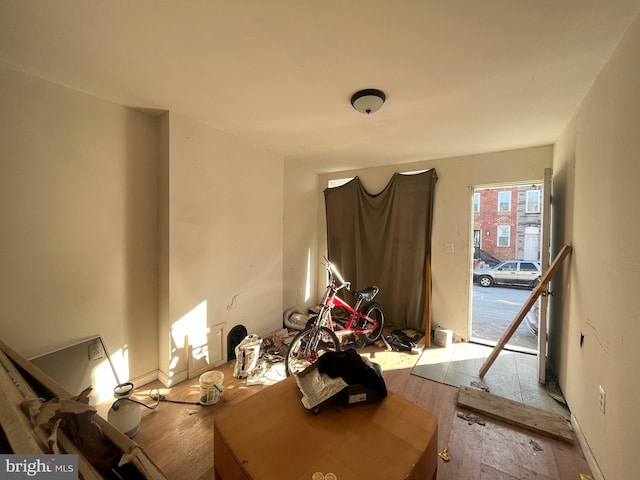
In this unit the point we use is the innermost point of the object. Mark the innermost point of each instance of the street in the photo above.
(493, 310)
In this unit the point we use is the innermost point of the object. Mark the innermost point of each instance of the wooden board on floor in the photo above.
(515, 413)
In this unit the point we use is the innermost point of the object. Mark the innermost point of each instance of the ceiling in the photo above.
(461, 77)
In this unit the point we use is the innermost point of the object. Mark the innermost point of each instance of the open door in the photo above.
(507, 226)
(544, 259)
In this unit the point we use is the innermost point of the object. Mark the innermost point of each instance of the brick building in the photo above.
(507, 222)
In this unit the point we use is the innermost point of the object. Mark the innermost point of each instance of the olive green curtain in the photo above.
(384, 240)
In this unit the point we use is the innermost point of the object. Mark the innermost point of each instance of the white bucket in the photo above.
(443, 337)
(211, 387)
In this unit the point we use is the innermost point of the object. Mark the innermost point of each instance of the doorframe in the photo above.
(545, 225)
(545, 251)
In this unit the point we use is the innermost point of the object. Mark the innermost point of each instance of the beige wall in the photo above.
(451, 223)
(122, 224)
(300, 236)
(598, 155)
(224, 224)
(78, 209)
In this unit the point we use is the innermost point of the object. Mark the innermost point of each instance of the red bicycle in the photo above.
(325, 332)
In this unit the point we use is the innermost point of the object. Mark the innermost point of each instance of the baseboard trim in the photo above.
(596, 473)
(146, 378)
(168, 381)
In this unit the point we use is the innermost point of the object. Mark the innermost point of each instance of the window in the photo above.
(504, 201)
(476, 202)
(338, 182)
(504, 235)
(528, 267)
(509, 267)
(533, 201)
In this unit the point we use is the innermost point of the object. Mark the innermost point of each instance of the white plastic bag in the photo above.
(247, 355)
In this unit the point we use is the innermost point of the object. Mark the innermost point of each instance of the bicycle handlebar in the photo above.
(332, 270)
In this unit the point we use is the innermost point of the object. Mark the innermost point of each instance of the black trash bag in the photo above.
(354, 370)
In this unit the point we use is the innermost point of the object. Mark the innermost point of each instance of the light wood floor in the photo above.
(179, 437)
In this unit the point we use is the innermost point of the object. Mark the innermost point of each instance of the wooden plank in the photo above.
(511, 329)
(15, 424)
(515, 413)
(427, 306)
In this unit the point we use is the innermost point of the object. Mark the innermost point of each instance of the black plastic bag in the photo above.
(354, 369)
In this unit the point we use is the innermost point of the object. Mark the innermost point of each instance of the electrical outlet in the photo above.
(96, 351)
(602, 400)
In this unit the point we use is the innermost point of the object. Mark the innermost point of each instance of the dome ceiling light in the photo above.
(368, 101)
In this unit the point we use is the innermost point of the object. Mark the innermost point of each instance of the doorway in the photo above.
(507, 226)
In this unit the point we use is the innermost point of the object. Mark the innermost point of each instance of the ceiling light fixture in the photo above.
(368, 101)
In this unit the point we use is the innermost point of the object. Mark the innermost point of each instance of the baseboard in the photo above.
(142, 380)
(169, 381)
(596, 473)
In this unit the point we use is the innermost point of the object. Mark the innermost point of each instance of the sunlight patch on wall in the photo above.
(103, 381)
(192, 325)
(307, 291)
(120, 363)
(190, 337)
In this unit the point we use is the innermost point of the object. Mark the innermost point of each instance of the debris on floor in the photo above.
(553, 389)
(247, 354)
(444, 454)
(265, 363)
(273, 344)
(269, 370)
(471, 418)
(480, 385)
(256, 355)
(400, 341)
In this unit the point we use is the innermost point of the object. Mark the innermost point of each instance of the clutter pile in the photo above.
(346, 374)
(401, 341)
(261, 360)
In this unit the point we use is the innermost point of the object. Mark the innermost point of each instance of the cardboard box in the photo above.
(355, 395)
(350, 395)
(271, 435)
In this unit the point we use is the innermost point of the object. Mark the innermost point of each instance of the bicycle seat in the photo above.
(367, 294)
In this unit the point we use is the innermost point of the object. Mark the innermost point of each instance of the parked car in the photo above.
(512, 272)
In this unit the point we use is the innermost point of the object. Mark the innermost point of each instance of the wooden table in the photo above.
(270, 435)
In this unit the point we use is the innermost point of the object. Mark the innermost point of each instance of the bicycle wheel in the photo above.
(299, 357)
(373, 310)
